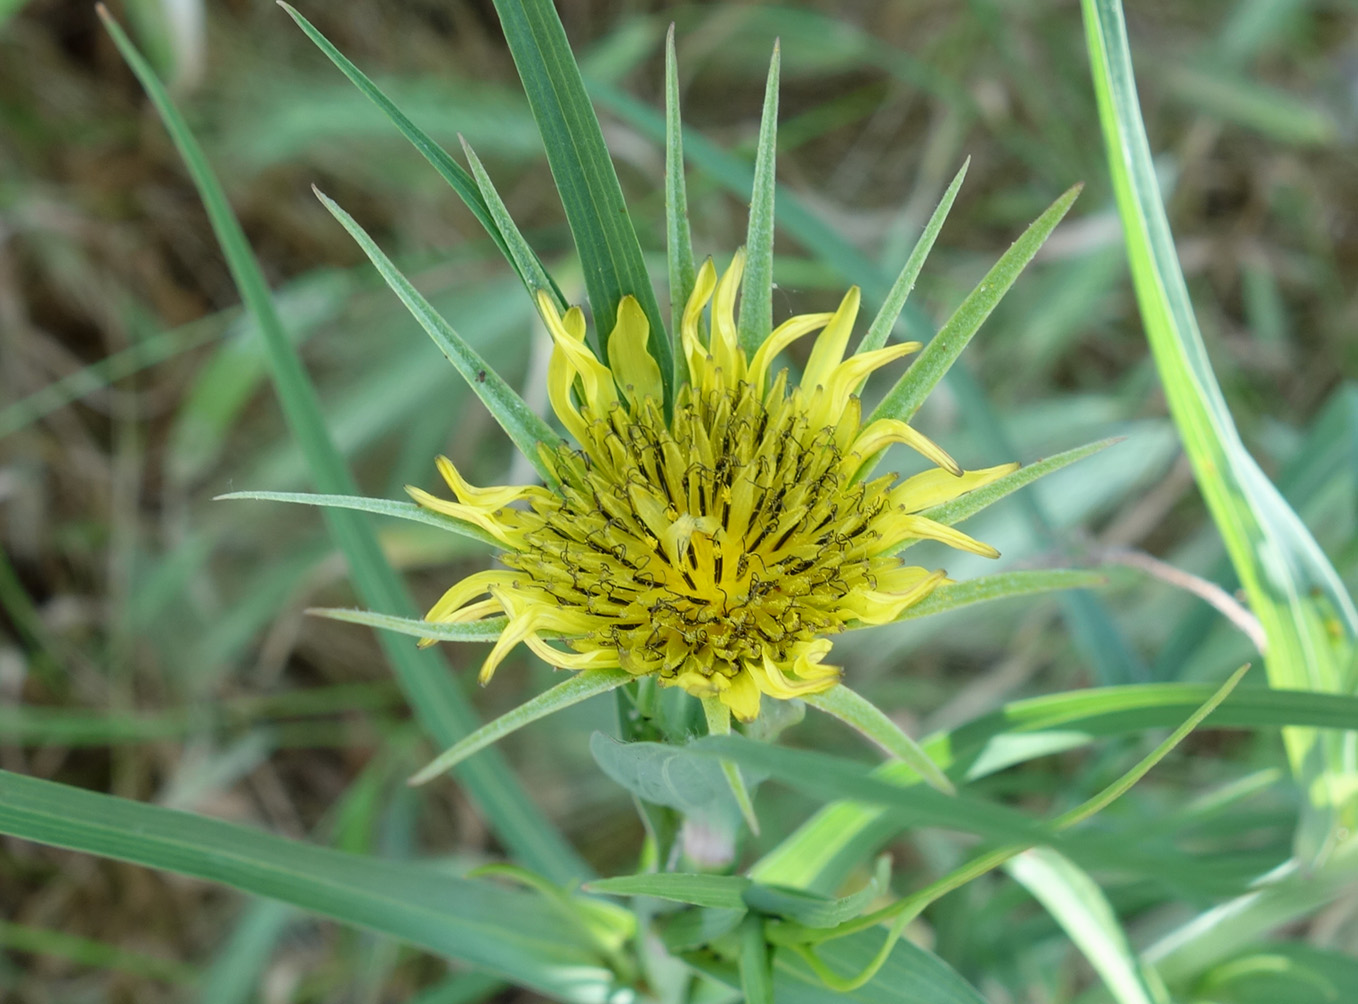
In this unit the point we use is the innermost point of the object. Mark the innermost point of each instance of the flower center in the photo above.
(733, 534)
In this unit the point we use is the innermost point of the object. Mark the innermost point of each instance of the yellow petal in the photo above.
(488, 499)
(829, 350)
(634, 370)
(503, 528)
(725, 347)
(782, 336)
(885, 431)
(742, 696)
(694, 351)
(595, 379)
(935, 486)
(927, 529)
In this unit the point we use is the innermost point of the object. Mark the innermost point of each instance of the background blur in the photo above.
(154, 644)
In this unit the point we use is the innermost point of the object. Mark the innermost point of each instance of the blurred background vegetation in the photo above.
(154, 643)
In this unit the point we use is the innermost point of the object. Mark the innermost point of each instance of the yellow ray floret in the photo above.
(716, 547)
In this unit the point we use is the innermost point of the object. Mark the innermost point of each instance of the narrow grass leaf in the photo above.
(429, 687)
(525, 262)
(721, 891)
(890, 311)
(950, 513)
(756, 962)
(756, 290)
(1079, 906)
(501, 930)
(523, 425)
(1303, 606)
(812, 910)
(487, 630)
(361, 503)
(1001, 586)
(678, 238)
(584, 174)
(865, 717)
(579, 687)
(450, 170)
(903, 400)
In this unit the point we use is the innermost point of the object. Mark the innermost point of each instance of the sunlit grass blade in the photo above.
(584, 174)
(1080, 907)
(430, 688)
(476, 922)
(678, 237)
(394, 508)
(865, 717)
(756, 290)
(581, 686)
(450, 170)
(1307, 615)
(890, 312)
(903, 400)
(487, 630)
(950, 513)
(525, 262)
(1001, 586)
(523, 425)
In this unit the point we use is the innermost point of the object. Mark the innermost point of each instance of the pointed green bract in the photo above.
(716, 891)
(865, 717)
(362, 503)
(580, 687)
(903, 400)
(890, 311)
(678, 239)
(523, 425)
(756, 291)
(424, 677)
(950, 513)
(1301, 602)
(520, 254)
(450, 170)
(487, 630)
(584, 174)
(1002, 585)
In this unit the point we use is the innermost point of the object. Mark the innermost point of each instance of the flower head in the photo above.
(716, 547)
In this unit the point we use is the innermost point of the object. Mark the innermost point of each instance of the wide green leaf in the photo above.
(478, 923)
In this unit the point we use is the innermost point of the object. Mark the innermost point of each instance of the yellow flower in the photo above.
(714, 549)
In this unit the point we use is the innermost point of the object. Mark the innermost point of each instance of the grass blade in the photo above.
(476, 922)
(1307, 615)
(865, 717)
(450, 170)
(584, 174)
(903, 400)
(580, 687)
(523, 425)
(756, 290)
(430, 689)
